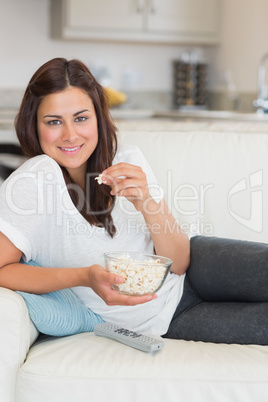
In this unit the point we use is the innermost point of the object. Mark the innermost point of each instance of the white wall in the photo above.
(25, 44)
(244, 39)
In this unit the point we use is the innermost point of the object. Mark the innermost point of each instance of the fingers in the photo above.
(126, 180)
(113, 297)
(117, 173)
(114, 279)
(122, 169)
(107, 277)
(133, 300)
(128, 189)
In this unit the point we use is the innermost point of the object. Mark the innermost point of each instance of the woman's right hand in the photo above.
(100, 282)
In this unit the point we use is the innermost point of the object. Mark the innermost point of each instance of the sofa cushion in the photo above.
(215, 180)
(86, 367)
(225, 295)
(229, 270)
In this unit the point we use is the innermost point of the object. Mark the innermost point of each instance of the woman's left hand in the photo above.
(128, 181)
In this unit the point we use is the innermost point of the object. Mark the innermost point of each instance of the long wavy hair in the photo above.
(54, 76)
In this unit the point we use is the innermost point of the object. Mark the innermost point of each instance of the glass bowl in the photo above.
(143, 273)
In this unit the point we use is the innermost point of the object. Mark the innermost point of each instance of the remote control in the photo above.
(130, 338)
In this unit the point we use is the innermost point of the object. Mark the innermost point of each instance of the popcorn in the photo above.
(99, 179)
(141, 277)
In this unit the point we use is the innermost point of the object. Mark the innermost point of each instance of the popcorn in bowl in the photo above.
(143, 273)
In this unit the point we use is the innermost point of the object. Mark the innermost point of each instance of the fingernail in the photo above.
(152, 297)
(119, 279)
(104, 178)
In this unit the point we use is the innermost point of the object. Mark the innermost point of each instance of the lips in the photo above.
(71, 150)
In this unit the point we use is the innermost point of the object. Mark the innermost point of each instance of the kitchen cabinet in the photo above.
(155, 21)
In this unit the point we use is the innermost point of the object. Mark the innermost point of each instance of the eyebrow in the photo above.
(56, 116)
(81, 111)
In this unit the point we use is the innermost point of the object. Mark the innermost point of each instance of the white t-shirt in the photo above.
(39, 217)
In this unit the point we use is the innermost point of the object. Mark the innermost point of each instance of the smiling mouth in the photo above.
(70, 149)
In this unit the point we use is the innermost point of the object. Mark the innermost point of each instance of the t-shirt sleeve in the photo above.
(23, 213)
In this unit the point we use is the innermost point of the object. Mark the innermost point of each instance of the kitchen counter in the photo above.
(7, 117)
(191, 125)
(150, 120)
(190, 121)
(127, 114)
(205, 120)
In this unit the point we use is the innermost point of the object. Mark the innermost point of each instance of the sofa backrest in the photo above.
(215, 182)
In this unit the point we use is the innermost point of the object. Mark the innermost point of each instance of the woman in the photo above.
(54, 212)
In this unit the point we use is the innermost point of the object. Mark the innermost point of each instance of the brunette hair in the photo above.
(54, 76)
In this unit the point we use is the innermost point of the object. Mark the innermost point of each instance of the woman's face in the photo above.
(68, 129)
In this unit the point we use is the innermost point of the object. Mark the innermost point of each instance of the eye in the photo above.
(53, 122)
(80, 118)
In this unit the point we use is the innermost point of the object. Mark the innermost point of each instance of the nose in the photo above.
(69, 133)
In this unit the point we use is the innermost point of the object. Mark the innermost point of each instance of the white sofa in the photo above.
(216, 183)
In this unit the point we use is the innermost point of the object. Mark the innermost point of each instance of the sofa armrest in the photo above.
(17, 333)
